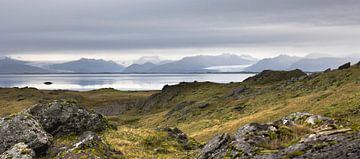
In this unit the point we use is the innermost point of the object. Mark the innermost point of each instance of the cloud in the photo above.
(50, 26)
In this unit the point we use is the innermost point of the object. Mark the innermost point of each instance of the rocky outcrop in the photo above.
(89, 145)
(298, 135)
(180, 137)
(18, 151)
(269, 76)
(29, 133)
(216, 148)
(24, 128)
(67, 117)
(345, 66)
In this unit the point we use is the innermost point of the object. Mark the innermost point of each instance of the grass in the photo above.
(334, 94)
(146, 143)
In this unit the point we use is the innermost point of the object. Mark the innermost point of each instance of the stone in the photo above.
(345, 66)
(327, 70)
(180, 137)
(269, 76)
(89, 145)
(67, 117)
(18, 151)
(318, 141)
(203, 105)
(216, 148)
(24, 128)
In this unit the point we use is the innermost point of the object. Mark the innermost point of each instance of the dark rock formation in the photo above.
(321, 138)
(180, 137)
(67, 117)
(269, 76)
(23, 128)
(345, 66)
(203, 105)
(327, 70)
(25, 135)
(18, 151)
(216, 148)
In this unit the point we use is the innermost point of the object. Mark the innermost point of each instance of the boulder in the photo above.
(256, 140)
(180, 137)
(203, 105)
(216, 148)
(18, 151)
(345, 66)
(67, 117)
(24, 128)
(327, 70)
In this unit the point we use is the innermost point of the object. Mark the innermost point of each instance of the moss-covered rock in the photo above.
(67, 117)
(22, 127)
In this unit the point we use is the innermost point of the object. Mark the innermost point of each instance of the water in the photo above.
(83, 82)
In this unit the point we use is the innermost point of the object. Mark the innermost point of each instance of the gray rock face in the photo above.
(18, 151)
(89, 145)
(67, 117)
(319, 140)
(216, 148)
(23, 128)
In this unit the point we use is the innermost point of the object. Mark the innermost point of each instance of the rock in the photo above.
(216, 148)
(249, 137)
(179, 107)
(345, 66)
(266, 141)
(269, 76)
(293, 118)
(24, 128)
(67, 117)
(89, 145)
(203, 105)
(327, 70)
(180, 137)
(18, 151)
(235, 92)
(48, 83)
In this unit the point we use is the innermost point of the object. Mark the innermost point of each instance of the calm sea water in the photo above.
(83, 82)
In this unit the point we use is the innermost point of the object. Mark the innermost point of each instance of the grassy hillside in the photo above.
(203, 109)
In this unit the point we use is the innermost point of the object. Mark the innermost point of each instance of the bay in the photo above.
(126, 82)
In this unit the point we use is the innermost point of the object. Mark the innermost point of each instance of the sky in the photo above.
(123, 30)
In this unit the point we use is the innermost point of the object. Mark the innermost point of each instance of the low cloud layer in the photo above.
(43, 26)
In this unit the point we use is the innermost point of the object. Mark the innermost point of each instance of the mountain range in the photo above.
(190, 64)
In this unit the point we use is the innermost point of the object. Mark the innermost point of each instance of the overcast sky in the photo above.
(127, 29)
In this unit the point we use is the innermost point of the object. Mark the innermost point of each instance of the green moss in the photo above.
(295, 154)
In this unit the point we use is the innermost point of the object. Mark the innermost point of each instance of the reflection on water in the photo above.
(84, 82)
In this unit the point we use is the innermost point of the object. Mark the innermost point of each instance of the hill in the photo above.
(282, 62)
(201, 62)
(88, 66)
(139, 68)
(8, 65)
(320, 64)
(267, 110)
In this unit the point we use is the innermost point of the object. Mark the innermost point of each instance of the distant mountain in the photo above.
(320, 64)
(88, 66)
(282, 62)
(139, 68)
(8, 65)
(201, 62)
(151, 59)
